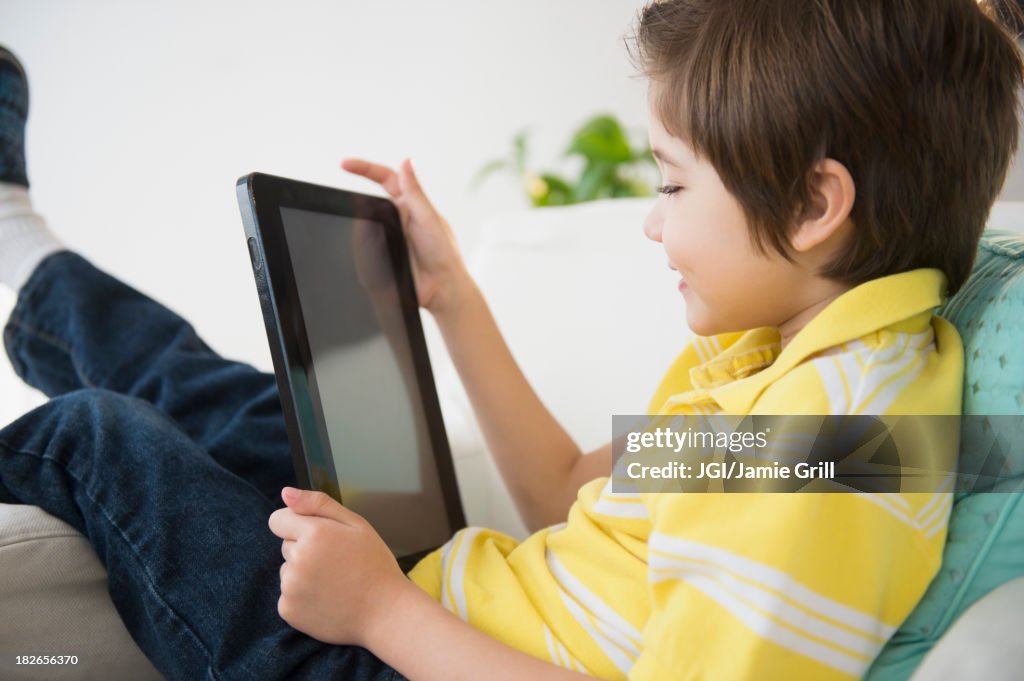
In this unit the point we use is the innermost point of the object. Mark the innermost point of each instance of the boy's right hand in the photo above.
(439, 271)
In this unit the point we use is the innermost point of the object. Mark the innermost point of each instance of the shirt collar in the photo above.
(905, 300)
(745, 354)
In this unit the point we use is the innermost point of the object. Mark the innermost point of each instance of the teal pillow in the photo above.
(985, 546)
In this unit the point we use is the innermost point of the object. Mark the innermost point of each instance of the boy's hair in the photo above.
(916, 98)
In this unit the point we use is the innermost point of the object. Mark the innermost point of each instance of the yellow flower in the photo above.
(536, 187)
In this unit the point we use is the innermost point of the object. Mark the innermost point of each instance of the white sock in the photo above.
(24, 237)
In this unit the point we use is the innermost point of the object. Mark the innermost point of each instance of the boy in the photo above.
(828, 168)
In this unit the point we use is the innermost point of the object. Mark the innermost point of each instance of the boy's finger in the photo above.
(287, 546)
(308, 503)
(412, 192)
(380, 174)
(286, 523)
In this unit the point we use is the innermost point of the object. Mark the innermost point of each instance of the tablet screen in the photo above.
(362, 379)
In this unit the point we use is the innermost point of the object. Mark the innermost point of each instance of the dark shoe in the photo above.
(13, 114)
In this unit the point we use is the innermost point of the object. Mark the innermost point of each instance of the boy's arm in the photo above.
(369, 602)
(423, 641)
(541, 465)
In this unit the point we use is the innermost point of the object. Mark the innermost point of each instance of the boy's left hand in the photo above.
(338, 578)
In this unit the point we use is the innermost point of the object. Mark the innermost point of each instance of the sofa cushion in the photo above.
(993, 624)
(985, 545)
(55, 602)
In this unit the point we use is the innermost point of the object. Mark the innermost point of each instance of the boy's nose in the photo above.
(652, 226)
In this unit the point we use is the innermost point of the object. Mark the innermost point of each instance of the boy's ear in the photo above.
(832, 198)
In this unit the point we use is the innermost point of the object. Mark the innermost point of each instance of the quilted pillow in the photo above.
(985, 546)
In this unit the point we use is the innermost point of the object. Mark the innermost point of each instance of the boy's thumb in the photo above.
(307, 502)
(409, 171)
(411, 189)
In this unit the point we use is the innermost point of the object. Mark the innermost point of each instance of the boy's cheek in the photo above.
(678, 248)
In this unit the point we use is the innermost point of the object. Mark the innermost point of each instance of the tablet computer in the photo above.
(340, 309)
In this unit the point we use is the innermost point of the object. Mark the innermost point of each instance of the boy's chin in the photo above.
(700, 322)
(702, 327)
(707, 325)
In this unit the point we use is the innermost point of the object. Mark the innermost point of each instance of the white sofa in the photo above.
(591, 313)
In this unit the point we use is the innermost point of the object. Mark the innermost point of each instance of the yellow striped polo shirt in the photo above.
(736, 586)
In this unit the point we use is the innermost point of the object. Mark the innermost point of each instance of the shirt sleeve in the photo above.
(777, 586)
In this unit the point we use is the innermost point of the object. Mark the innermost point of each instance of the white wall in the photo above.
(143, 115)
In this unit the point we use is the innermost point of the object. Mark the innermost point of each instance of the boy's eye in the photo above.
(667, 189)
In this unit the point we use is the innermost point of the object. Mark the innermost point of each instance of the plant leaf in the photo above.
(620, 190)
(520, 144)
(644, 156)
(601, 139)
(639, 188)
(594, 181)
(557, 192)
(486, 171)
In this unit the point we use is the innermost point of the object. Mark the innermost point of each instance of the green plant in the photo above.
(611, 168)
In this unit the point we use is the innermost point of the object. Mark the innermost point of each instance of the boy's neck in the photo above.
(792, 326)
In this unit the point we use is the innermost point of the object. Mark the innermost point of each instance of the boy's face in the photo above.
(728, 285)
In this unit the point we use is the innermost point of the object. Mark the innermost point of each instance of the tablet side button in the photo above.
(254, 253)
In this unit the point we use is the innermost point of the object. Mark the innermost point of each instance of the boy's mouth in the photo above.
(682, 279)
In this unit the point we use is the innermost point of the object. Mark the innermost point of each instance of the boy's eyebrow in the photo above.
(661, 156)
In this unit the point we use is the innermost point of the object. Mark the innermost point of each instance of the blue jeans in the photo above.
(169, 459)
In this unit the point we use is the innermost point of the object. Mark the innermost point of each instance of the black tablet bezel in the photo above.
(260, 198)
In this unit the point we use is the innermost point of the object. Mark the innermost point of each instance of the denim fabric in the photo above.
(169, 459)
